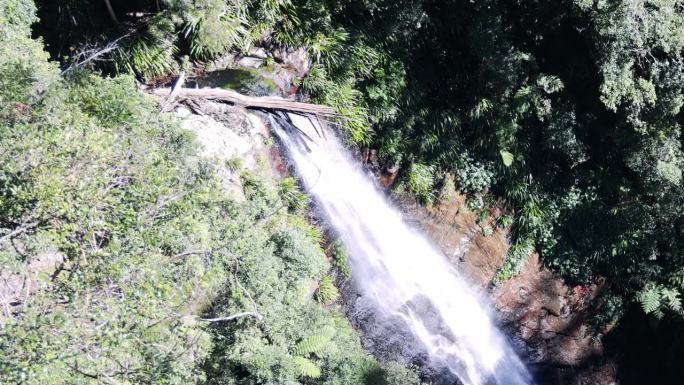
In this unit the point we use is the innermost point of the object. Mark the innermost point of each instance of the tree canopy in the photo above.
(568, 111)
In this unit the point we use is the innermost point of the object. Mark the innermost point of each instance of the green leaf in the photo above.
(506, 157)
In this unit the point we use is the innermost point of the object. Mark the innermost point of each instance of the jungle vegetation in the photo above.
(158, 276)
(569, 112)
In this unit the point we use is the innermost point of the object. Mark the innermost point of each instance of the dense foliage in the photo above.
(154, 39)
(148, 254)
(570, 111)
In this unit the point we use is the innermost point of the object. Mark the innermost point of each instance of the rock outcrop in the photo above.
(549, 321)
(238, 138)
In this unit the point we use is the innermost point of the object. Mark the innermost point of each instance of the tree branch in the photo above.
(19, 231)
(189, 252)
(231, 317)
(95, 53)
(111, 11)
(255, 312)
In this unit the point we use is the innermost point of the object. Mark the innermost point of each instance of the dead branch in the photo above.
(168, 104)
(100, 377)
(256, 102)
(191, 252)
(255, 313)
(95, 53)
(231, 317)
(111, 12)
(19, 231)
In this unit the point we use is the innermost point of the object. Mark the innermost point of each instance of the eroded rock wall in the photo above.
(548, 321)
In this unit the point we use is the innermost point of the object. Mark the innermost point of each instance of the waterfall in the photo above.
(414, 297)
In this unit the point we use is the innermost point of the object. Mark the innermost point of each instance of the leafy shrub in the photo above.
(420, 181)
(505, 221)
(487, 230)
(610, 310)
(295, 200)
(473, 177)
(152, 249)
(515, 259)
(397, 374)
(475, 202)
(326, 292)
(234, 164)
(340, 258)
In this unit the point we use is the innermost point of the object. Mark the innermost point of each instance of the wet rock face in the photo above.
(237, 138)
(282, 66)
(548, 321)
(388, 337)
(552, 323)
(548, 316)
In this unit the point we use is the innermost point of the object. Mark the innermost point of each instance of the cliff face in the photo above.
(549, 321)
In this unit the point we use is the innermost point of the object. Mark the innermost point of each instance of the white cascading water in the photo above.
(398, 272)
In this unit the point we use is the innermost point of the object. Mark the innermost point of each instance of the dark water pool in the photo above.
(244, 80)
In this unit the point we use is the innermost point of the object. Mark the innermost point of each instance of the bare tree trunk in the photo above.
(264, 102)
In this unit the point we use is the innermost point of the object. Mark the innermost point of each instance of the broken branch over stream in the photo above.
(261, 102)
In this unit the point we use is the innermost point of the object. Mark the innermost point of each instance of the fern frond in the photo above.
(306, 368)
(671, 298)
(649, 298)
(677, 279)
(327, 292)
(314, 344)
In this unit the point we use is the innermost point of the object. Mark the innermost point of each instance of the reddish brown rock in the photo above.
(549, 321)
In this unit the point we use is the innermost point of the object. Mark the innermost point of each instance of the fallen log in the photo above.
(259, 102)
